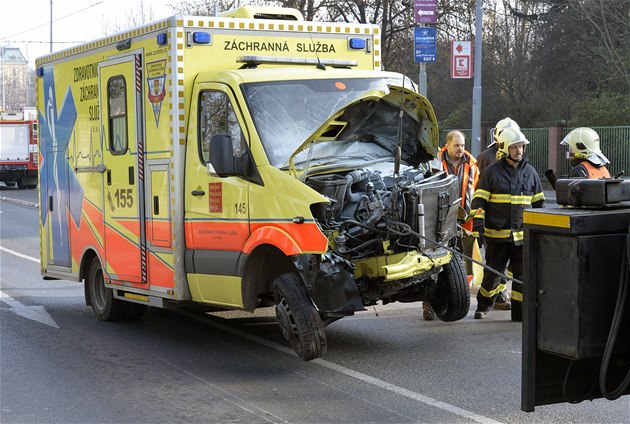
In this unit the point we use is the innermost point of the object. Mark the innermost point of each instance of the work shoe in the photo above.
(480, 314)
(502, 303)
(427, 311)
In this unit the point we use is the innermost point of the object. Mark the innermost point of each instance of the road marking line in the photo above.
(18, 254)
(35, 313)
(351, 373)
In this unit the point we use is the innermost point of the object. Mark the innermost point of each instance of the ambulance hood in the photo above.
(369, 129)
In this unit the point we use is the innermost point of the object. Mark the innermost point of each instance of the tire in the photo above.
(299, 321)
(450, 297)
(102, 299)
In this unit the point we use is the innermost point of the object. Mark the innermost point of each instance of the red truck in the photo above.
(18, 149)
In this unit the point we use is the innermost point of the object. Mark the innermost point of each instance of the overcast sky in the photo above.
(27, 24)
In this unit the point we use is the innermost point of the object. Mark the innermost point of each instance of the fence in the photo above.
(614, 142)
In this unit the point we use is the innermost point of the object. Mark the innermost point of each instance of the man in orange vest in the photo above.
(587, 160)
(457, 161)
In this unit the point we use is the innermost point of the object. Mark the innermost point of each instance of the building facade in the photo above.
(17, 82)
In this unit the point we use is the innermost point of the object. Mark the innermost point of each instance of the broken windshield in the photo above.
(286, 113)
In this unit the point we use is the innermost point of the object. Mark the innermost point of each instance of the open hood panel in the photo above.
(375, 118)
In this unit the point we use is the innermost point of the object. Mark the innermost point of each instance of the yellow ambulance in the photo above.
(245, 160)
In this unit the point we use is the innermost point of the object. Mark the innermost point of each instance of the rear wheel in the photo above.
(102, 299)
(299, 321)
(450, 297)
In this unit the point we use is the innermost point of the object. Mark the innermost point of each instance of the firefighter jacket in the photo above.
(585, 169)
(503, 193)
(467, 175)
(487, 158)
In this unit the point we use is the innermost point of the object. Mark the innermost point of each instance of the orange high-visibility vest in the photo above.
(595, 172)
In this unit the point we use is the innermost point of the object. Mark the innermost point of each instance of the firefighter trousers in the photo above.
(498, 255)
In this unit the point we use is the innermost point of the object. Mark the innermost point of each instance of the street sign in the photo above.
(424, 44)
(461, 59)
(425, 11)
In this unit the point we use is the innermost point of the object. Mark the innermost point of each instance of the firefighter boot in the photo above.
(503, 302)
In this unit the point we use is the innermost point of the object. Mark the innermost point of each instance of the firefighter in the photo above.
(587, 160)
(504, 190)
(457, 161)
(489, 156)
(485, 159)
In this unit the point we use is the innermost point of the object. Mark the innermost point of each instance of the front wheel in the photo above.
(299, 321)
(450, 297)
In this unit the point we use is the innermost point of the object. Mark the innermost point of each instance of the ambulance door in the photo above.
(123, 191)
(217, 209)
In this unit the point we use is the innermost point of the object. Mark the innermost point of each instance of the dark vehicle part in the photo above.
(299, 320)
(576, 330)
(605, 192)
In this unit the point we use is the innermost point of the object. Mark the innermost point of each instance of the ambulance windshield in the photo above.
(286, 113)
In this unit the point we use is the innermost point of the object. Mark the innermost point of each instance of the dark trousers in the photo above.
(498, 255)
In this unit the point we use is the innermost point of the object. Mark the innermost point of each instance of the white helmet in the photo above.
(500, 126)
(507, 138)
(584, 144)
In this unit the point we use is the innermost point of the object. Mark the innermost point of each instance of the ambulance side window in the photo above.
(117, 119)
(217, 116)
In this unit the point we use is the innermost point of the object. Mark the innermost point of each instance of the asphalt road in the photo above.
(58, 364)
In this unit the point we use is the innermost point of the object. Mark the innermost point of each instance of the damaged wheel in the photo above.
(450, 296)
(299, 321)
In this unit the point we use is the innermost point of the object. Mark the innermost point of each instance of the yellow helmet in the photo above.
(500, 126)
(584, 144)
(507, 138)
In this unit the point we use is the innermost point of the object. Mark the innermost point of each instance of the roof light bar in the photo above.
(258, 60)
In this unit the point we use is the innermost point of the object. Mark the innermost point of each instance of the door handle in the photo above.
(198, 193)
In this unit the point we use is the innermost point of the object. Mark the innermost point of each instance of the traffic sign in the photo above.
(424, 44)
(461, 59)
(425, 11)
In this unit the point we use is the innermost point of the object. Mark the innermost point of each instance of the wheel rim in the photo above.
(283, 313)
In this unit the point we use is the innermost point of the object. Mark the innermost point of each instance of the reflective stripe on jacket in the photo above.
(502, 194)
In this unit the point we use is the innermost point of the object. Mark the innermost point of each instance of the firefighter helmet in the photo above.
(584, 144)
(500, 126)
(507, 138)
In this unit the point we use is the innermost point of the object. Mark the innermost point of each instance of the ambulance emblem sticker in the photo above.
(60, 191)
(156, 80)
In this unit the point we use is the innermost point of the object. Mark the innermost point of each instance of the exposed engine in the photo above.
(371, 212)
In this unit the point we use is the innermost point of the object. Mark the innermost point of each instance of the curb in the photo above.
(18, 201)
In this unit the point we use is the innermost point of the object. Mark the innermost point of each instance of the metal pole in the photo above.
(51, 16)
(475, 142)
(3, 89)
(422, 79)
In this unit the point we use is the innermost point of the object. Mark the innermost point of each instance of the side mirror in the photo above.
(221, 158)
(223, 163)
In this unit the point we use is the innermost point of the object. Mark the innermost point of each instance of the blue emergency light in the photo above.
(357, 43)
(202, 37)
(161, 39)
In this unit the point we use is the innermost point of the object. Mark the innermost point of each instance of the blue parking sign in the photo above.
(424, 44)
